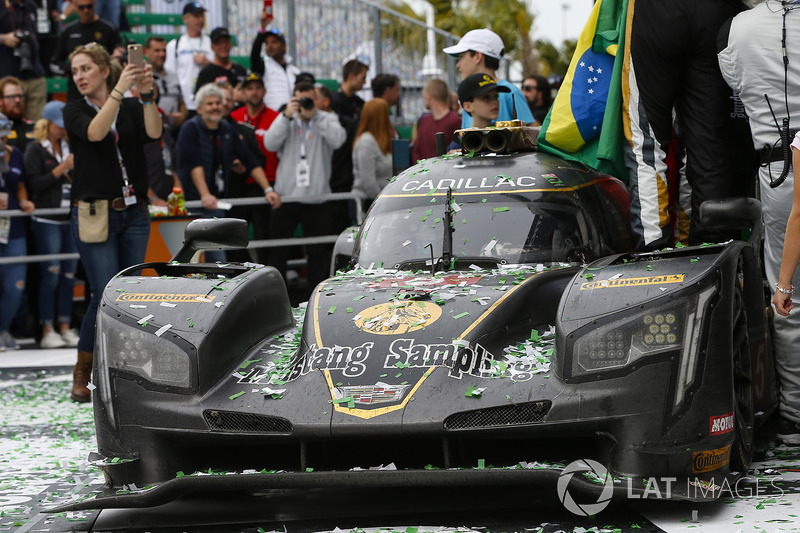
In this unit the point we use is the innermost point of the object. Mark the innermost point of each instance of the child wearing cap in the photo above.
(479, 95)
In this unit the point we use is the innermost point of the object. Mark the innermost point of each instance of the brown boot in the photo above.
(81, 376)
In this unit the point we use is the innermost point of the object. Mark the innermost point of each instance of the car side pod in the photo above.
(212, 234)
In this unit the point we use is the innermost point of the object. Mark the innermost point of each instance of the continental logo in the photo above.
(397, 318)
(709, 460)
(162, 297)
(632, 282)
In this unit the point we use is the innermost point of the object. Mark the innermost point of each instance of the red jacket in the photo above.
(261, 123)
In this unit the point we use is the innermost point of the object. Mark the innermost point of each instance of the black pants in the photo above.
(315, 220)
(674, 58)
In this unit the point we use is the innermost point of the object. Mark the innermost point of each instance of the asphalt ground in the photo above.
(45, 440)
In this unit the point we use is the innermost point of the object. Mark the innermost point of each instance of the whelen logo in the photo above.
(709, 460)
(719, 425)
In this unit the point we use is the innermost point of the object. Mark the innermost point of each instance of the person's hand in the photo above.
(292, 107)
(238, 167)
(10, 40)
(160, 202)
(145, 80)
(200, 59)
(782, 303)
(129, 76)
(209, 201)
(263, 20)
(27, 206)
(69, 162)
(274, 199)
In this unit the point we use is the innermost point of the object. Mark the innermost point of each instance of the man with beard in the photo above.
(19, 52)
(12, 105)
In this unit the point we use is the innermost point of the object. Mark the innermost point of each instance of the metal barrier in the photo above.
(235, 202)
(323, 34)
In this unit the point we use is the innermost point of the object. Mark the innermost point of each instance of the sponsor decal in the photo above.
(632, 282)
(418, 282)
(709, 460)
(719, 425)
(459, 359)
(397, 318)
(163, 297)
(469, 184)
(373, 394)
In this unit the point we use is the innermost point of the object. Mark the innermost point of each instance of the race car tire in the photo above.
(744, 412)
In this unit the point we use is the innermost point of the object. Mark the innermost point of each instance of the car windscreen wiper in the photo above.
(447, 241)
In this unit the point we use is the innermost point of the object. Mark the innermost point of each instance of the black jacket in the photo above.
(44, 189)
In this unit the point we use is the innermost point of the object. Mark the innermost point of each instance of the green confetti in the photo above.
(461, 315)
(234, 396)
(349, 310)
(501, 209)
(402, 365)
(309, 469)
(481, 464)
(588, 275)
(331, 309)
(695, 260)
(359, 297)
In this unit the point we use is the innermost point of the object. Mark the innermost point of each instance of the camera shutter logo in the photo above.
(593, 468)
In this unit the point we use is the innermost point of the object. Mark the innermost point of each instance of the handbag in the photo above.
(93, 221)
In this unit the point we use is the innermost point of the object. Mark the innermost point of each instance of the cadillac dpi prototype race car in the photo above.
(493, 326)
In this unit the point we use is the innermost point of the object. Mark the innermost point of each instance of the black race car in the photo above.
(493, 326)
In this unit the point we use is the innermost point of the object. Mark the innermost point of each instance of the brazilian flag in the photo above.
(585, 122)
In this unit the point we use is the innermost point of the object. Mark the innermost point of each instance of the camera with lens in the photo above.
(306, 103)
(24, 51)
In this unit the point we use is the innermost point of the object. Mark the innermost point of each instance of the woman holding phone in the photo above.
(109, 219)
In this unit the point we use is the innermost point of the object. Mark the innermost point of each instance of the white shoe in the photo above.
(71, 337)
(52, 340)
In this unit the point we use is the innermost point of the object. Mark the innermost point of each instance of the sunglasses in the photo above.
(529, 87)
(85, 7)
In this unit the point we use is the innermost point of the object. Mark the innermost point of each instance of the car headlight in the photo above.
(619, 344)
(139, 352)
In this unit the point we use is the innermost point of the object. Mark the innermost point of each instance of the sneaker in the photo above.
(52, 340)
(788, 431)
(8, 341)
(71, 337)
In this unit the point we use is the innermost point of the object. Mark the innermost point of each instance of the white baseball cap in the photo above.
(484, 41)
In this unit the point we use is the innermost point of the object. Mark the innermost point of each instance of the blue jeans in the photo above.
(58, 277)
(12, 281)
(128, 233)
(108, 10)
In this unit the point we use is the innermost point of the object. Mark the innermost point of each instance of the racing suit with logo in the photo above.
(752, 62)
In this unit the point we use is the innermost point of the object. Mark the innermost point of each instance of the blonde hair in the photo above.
(375, 120)
(100, 57)
(41, 129)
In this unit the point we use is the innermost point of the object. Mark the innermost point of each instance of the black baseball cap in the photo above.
(219, 33)
(305, 76)
(194, 8)
(478, 85)
(252, 76)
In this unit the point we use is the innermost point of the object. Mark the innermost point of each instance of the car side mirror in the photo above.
(212, 234)
(731, 214)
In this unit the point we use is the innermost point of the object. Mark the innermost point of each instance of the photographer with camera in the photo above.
(304, 138)
(19, 53)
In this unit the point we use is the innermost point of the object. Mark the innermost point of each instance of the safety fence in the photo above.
(323, 34)
(197, 204)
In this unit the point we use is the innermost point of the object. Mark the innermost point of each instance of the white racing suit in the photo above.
(752, 64)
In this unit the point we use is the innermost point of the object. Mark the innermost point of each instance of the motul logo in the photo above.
(721, 424)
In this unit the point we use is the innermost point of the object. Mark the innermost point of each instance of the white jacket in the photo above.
(180, 60)
(279, 82)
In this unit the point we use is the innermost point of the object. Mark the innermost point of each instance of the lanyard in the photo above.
(116, 140)
(304, 130)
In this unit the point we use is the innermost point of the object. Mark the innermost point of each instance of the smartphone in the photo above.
(136, 55)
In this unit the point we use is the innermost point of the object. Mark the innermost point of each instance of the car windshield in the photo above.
(497, 228)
